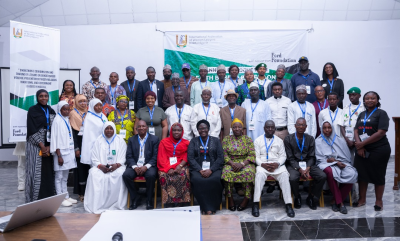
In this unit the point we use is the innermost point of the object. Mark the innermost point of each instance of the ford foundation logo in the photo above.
(181, 41)
(17, 34)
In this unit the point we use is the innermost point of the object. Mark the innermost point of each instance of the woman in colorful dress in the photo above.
(68, 93)
(125, 123)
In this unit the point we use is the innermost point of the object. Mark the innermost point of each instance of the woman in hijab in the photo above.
(62, 148)
(68, 93)
(92, 129)
(123, 118)
(172, 167)
(39, 182)
(76, 118)
(105, 188)
(333, 157)
(331, 83)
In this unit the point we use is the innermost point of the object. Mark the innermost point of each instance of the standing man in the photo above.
(333, 114)
(89, 87)
(287, 88)
(229, 113)
(220, 87)
(197, 87)
(150, 84)
(131, 86)
(319, 105)
(279, 105)
(114, 90)
(270, 160)
(261, 69)
(167, 72)
(169, 95)
(100, 94)
(207, 111)
(306, 77)
(304, 109)
(187, 80)
(300, 152)
(181, 113)
(257, 112)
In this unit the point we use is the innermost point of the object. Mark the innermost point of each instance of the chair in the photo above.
(192, 198)
(270, 179)
(142, 179)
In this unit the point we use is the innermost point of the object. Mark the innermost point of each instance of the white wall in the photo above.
(366, 53)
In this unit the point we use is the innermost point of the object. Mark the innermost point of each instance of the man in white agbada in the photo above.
(62, 148)
(333, 114)
(105, 189)
(92, 129)
(302, 108)
(257, 112)
(207, 111)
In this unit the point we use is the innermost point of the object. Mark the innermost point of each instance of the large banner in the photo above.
(34, 65)
(245, 49)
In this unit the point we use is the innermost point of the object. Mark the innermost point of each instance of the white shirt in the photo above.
(263, 83)
(261, 114)
(186, 119)
(141, 141)
(236, 84)
(294, 112)
(195, 92)
(276, 152)
(153, 87)
(219, 91)
(349, 128)
(213, 118)
(279, 108)
(336, 122)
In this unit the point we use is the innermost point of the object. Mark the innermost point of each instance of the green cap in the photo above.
(261, 65)
(354, 90)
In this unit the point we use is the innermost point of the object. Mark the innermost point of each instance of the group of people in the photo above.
(200, 138)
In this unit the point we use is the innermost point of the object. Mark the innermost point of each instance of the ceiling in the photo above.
(91, 12)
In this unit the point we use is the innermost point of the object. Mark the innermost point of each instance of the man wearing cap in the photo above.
(187, 80)
(319, 105)
(304, 109)
(287, 88)
(220, 87)
(244, 89)
(89, 87)
(150, 84)
(114, 90)
(197, 87)
(257, 112)
(131, 86)
(279, 105)
(333, 114)
(230, 112)
(169, 94)
(167, 72)
(261, 69)
(207, 111)
(306, 77)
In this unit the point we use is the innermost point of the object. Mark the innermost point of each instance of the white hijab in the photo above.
(60, 136)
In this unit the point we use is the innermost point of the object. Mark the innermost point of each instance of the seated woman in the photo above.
(239, 157)
(105, 189)
(124, 122)
(333, 157)
(172, 167)
(206, 158)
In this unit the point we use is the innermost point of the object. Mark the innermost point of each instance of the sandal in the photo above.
(357, 204)
(233, 208)
(378, 208)
(240, 208)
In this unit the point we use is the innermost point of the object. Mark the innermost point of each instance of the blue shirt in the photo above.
(312, 80)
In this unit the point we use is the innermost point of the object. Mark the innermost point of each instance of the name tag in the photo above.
(122, 133)
(349, 133)
(364, 136)
(332, 155)
(48, 136)
(173, 160)
(303, 165)
(131, 105)
(152, 130)
(80, 131)
(308, 89)
(252, 126)
(230, 131)
(140, 162)
(206, 165)
(71, 144)
(219, 103)
(110, 159)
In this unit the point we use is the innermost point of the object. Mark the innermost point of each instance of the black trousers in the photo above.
(317, 175)
(150, 175)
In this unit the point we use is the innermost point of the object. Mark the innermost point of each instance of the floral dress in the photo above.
(129, 122)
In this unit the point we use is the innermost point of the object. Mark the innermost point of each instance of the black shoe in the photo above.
(297, 202)
(343, 210)
(255, 211)
(239, 208)
(135, 203)
(270, 189)
(311, 202)
(289, 210)
(335, 207)
(149, 206)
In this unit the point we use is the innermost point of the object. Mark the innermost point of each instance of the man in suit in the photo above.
(230, 112)
(141, 160)
(150, 84)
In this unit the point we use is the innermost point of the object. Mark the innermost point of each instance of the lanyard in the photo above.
(142, 145)
(232, 112)
(46, 112)
(109, 143)
(204, 85)
(151, 115)
(122, 118)
(305, 77)
(151, 85)
(237, 81)
(94, 85)
(302, 145)
(366, 118)
(335, 114)
(176, 145)
(331, 145)
(82, 116)
(204, 109)
(204, 146)
(323, 107)
(331, 84)
(247, 90)
(267, 147)
(351, 114)
(187, 84)
(173, 88)
(252, 110)
(219, 83)
(179, 115)
(129, 86)
(98, 116)
(69, 130)
(113, 94)
(303, 111)
(265, 81)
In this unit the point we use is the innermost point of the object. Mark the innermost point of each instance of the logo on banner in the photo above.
(17, 34)
(181, 41)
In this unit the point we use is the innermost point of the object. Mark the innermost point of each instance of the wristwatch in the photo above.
(243, 163)
(181, 165)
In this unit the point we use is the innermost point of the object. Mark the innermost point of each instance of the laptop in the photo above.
(31, 212)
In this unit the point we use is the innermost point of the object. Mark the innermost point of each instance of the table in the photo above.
(73, 226)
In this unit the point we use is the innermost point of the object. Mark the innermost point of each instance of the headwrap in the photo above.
(122, 97)
(92, 103)
(281, 66)
(252, 84)
(36, 119)
(203, 66)
(150, 93)
(221, 67)
(203, 122)
(175, 75)
(301, 87)
(60, 105)
(106, 124)
(236, 120)
(260, 65)
(61, 135)
(130, 68)
(206, 88)
(334, 72)
(75, 118)
(167, 66)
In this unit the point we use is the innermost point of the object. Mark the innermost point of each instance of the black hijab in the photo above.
(335, 72)
(36, 119)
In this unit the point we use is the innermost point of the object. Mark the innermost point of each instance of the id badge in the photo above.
(140, 162)
(173, 160)
(110, 159)
(71, 144)
(333, 155)
(308, 89)
(252, 126)
(303, 165)
(219, 103)
(152, 130)
(206, 165)
(349, 133)
(80, 131)
(364, 136)
(48, 136)
(122, 133)
(230, 131)
(131, 105)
